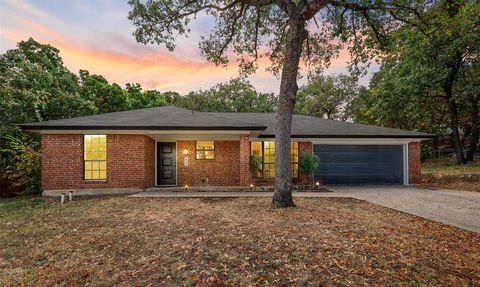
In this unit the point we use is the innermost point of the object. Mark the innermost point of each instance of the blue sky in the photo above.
(97, 36)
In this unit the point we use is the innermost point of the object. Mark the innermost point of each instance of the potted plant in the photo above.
(307, 165)
(255, 163)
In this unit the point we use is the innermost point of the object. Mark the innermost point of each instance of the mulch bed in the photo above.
(230, 242)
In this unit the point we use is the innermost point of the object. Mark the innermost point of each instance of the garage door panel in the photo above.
(360, 168)
(360, 164)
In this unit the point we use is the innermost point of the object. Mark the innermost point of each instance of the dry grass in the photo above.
(173, 242)
(450, 168)
(447, 175)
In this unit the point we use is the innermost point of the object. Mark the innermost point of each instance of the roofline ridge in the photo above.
(110, 113)
(367, 125)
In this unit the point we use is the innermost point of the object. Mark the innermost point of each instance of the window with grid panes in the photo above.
(95, 157)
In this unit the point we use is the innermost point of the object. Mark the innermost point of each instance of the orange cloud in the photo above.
(149, 66)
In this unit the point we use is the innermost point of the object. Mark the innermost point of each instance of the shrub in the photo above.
(255, 163)
(22, 163)
(308, 163)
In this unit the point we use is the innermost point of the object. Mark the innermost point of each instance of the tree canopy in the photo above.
(237, 95)
(429, 76)
(328, 97)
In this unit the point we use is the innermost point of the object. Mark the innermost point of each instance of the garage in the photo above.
(360, 164)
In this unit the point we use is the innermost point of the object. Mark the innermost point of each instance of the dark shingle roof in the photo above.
(313, 127)
(174, 118)
(158, 118)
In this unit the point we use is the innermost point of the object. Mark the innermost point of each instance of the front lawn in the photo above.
(218, 242)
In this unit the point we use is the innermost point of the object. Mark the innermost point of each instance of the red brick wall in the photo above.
(149, 162)
(223, 170)
(304, 147)
(127, 162)
(245, 177)
(414, 163)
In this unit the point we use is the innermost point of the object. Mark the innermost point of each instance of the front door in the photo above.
(166, 164)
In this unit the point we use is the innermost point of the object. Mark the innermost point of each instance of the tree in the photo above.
(147, 99)
(288, 30)
(107, 98)
(34, 86)
(237, 95)
(429, 76)
(328, 97)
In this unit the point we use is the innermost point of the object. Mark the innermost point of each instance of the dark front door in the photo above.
(166, 164)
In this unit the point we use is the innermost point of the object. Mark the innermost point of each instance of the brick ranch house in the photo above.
(170, 146)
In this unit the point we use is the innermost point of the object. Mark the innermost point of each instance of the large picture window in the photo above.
(266, 150)
(205, 150)
(95, 157)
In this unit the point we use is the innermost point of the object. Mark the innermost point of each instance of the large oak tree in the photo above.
(291, 33)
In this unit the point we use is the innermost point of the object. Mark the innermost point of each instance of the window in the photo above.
(294, 158)
(205, 150)
(268, 159)
(266, 150)
(95, 157)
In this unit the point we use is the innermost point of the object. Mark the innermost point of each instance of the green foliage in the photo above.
(237, 95)
(429, 75)
(254, 163)
(245, 31)
(22, 155)
(308, 163)
(146, 99)
(36, 86)
(328, 96)
(106, 97)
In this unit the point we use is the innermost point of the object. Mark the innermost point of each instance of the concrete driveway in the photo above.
(457, 208)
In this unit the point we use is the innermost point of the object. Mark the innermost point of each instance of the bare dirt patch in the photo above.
(241, 242)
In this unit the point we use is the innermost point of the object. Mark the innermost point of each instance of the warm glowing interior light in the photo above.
(185, 151)
(317, 183)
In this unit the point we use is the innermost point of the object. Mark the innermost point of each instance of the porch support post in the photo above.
(244, 160)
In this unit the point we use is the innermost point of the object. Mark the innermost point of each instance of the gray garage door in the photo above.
(360, 164)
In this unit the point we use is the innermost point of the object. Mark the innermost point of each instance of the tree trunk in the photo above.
(453, 111)
(457, 143)
(474, 137)
(297, 33)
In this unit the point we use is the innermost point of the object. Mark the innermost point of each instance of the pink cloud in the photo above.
(121, 60)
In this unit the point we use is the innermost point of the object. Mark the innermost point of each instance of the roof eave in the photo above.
(426, 136)
(167, 128)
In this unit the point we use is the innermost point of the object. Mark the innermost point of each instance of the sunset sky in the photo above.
(97, 36)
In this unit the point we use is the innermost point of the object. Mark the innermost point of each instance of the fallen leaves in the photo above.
(236, 242)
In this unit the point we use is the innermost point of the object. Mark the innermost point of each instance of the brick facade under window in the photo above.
(223, 170)
(130, 162)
